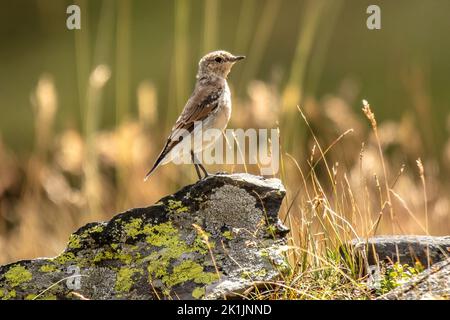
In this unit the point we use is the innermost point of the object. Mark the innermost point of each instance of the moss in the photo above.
(47, 268)
(176, 207)
(2, 293)
(31, 296)
(133, 228)
(64, 258)
(198, 293)
(124, 280)
(228, 235)
(114, 246)
(186, 271)
(17, 275)
(74, 241)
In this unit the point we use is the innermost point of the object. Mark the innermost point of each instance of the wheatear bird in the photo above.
(209, 105)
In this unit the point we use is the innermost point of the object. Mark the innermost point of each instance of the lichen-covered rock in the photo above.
(431, 284)
(212, 239)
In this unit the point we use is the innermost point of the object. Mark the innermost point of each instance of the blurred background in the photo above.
(84, 113)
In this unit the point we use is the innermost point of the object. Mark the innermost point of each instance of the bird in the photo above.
(209, 105)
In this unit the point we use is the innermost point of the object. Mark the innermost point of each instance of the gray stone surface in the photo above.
(213, 239)
(405, 249)
(431, 284)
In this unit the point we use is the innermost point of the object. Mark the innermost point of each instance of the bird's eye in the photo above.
(218, 59)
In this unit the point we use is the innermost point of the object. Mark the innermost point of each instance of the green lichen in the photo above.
(103, 255)
(198, 293)
(6, 295)
(172, 247)
(126, 258)
(17, 275)
(95, 229)
(64, 258)
(47, 268)
(124, 280)
(271, 229)
(228, 235)
(186, 271)
(133, 228)
(253, 274)
(110, 255)
(74, 241)
(163, 234)
(176, 207)
(264, 253)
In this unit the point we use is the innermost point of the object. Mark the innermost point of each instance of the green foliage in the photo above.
(396, 275)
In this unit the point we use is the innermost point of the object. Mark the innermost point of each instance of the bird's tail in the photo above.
(157, 163)
(162, 159)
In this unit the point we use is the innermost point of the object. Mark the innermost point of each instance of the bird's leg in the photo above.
(196, 165)
(204, 170)
(199, 165)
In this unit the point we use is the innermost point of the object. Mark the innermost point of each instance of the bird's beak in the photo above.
(237, 58)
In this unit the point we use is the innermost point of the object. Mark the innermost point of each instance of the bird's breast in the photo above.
(225, 106)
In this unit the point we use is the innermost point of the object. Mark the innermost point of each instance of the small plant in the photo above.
(397, 274)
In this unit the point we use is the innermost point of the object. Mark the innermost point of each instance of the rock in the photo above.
(433, 283)
(405, 249)
(212, 239)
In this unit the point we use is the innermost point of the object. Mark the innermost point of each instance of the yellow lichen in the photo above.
(176, 206)
(109, 255)
(103, 255)
(95, 229)
(228, 235)
(17, 275)
(47, 268)
(198, 293)
(133, 228)
(124, 280)
(172, 247)
(74, 241)
(186, 271)
(6, 295)
(64, 258)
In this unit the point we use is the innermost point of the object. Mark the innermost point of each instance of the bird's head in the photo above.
(217, 63)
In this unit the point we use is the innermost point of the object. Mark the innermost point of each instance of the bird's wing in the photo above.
(203, 101)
